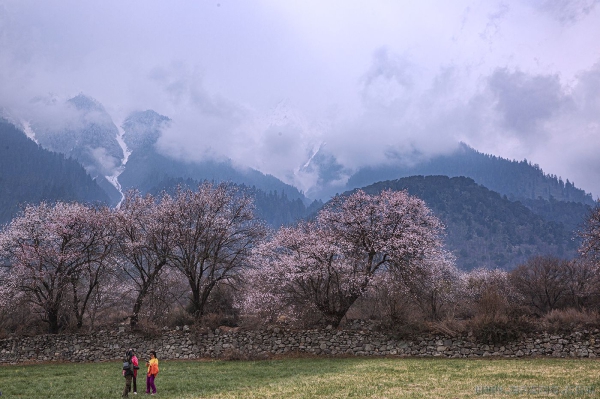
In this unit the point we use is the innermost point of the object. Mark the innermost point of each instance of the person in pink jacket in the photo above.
(136, 366)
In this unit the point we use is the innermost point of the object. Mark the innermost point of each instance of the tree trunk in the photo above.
(137, 306)
(53, 321)
(334, 319)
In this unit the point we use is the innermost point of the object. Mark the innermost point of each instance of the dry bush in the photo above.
(214, 320)
(499, 329)
(385, 304)
(398, 316)
(220, 309)
(180, 317)
(491, 305)
(497, 320)
(495, 314)
(567, 320)
(450, 327)
(542, 282)
(21, 319)
(148, 329)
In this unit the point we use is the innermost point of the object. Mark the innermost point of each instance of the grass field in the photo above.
(316, 378)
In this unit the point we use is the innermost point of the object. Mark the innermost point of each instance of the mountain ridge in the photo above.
(486, 229)
(518, 180)
(30, 174)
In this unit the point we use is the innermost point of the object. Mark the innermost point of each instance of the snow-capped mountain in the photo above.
(142, 129)
(126, 157)
(86, 133)
(89, 136)
(147, 167)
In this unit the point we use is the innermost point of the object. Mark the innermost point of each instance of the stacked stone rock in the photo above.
(183, 343)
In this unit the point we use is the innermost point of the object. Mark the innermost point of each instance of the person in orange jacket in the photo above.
(152, 365)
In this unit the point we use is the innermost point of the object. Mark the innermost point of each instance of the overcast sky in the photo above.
(267, 83)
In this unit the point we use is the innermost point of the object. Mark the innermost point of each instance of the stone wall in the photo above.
(183, 343)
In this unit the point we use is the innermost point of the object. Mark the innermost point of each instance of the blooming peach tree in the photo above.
(54, 254)
(145, 243)
(434, 284)
(325, 265)
(214, 230)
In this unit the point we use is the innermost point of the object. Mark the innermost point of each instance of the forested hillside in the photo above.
(30, 174)
(485, 229)
(518, 180)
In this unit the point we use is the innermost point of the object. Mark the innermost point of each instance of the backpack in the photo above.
(128, 365)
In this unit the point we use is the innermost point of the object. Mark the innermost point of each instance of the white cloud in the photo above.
(365, 82)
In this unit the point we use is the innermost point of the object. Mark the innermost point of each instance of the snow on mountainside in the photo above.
(285, 145)
(141, 130)
(147, 167)
(86, 133)
(126, 157)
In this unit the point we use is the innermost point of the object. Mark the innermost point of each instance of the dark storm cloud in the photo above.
(587, 93)
(538, 118)
(525, 101)
(579, 127)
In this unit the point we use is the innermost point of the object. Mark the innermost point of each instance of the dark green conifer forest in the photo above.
(30, 174)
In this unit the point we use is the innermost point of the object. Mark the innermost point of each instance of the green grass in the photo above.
(316, 378)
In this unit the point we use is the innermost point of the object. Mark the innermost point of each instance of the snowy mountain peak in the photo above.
(142, 129)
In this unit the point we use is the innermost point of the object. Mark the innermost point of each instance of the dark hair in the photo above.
(153, 352)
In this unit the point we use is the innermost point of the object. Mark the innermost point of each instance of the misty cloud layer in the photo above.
(311, 91)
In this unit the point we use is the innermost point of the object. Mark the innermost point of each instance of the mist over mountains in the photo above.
(518, 180)
(31, 174)
(498, 212)
(146, 167)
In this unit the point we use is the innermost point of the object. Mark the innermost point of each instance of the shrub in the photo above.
(542, 282)
(566, 320)
(450, 327)
(500, 329)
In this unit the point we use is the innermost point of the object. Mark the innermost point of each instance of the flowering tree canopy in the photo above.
(48, 248)
(214, 229)
(434, 283)
(145, 242)
(328, 263)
